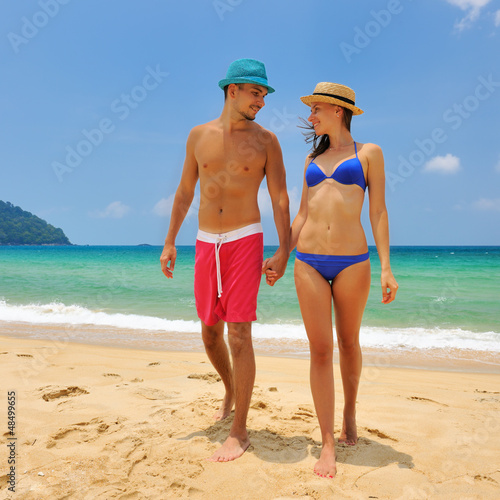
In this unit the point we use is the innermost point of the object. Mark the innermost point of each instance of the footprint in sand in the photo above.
(210, 377)
(23, 355)
(417, 398)
(259, 405)
(85, 432)
(156, 363)
(303, 412)
(479, 477)
(486, 400)
(51, 392)
(154, 394)
(380, 434)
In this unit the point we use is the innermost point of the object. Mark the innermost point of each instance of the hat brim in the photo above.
(258, 81)
(309, 99)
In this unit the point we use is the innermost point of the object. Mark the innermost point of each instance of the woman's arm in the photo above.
(379, 219)
(298, 222)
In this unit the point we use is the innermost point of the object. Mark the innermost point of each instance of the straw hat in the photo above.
(246, 71)
(334, 93)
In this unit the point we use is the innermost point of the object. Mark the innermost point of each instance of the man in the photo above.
(230, 156)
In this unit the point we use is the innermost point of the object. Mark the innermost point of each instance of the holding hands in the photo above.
(274, 267)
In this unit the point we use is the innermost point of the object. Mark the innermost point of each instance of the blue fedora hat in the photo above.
(246, 71)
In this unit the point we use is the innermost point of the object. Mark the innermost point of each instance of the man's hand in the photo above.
(168, 255)
(271, 276)
(274, 267)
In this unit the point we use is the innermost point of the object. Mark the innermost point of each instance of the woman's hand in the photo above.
(388, 282)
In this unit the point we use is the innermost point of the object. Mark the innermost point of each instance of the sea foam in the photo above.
(377, 337)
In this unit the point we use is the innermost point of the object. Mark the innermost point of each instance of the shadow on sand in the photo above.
(273, 447)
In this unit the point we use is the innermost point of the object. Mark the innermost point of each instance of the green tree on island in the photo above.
(18, 227)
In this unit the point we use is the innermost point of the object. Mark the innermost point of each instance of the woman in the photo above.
(332, 261)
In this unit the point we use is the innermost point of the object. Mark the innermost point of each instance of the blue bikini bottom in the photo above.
(329, 266)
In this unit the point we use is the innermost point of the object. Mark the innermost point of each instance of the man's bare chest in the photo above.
(244, 155)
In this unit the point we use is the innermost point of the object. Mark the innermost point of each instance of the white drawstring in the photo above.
(218, 244)
(219, 238)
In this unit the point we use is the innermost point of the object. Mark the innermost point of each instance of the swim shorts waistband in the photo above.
(218, 239)
(234, 235)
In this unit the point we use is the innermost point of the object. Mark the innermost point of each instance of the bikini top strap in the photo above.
(356, 149)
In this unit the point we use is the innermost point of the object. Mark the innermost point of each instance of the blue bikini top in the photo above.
(348, 172)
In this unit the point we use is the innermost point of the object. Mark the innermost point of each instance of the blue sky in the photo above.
(97, 99)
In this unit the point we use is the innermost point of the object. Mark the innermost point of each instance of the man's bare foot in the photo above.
(232, 449)
(225, 409)
(349, 434)
(326, 465)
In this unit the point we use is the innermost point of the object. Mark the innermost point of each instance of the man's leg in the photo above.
(240, 342)
(216, 349)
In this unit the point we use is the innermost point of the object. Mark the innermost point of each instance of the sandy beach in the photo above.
(105, 422)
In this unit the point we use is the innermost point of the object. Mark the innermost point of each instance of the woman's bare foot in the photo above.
(326, 465)
(349, 434)
(232, 449)
(225, 410)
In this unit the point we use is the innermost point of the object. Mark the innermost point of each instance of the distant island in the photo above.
(18, 227)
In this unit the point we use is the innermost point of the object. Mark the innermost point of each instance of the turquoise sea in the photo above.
(449, 298)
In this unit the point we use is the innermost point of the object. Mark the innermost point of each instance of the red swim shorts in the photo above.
(227, 274)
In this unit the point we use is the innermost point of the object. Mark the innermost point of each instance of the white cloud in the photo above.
(265, 204)
(488, 204)
(164, 207)
(473, 9)
(115, 210)
(469, 4)
(497, 19)
(448, 164)
(294, 196)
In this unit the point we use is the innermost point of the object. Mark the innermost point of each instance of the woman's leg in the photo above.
(315, 300)
(350, 293)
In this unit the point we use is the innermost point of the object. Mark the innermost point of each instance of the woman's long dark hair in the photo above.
(321, 143)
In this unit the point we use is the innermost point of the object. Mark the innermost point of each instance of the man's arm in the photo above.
(301, 217)
(276, 184)
(182, 201)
